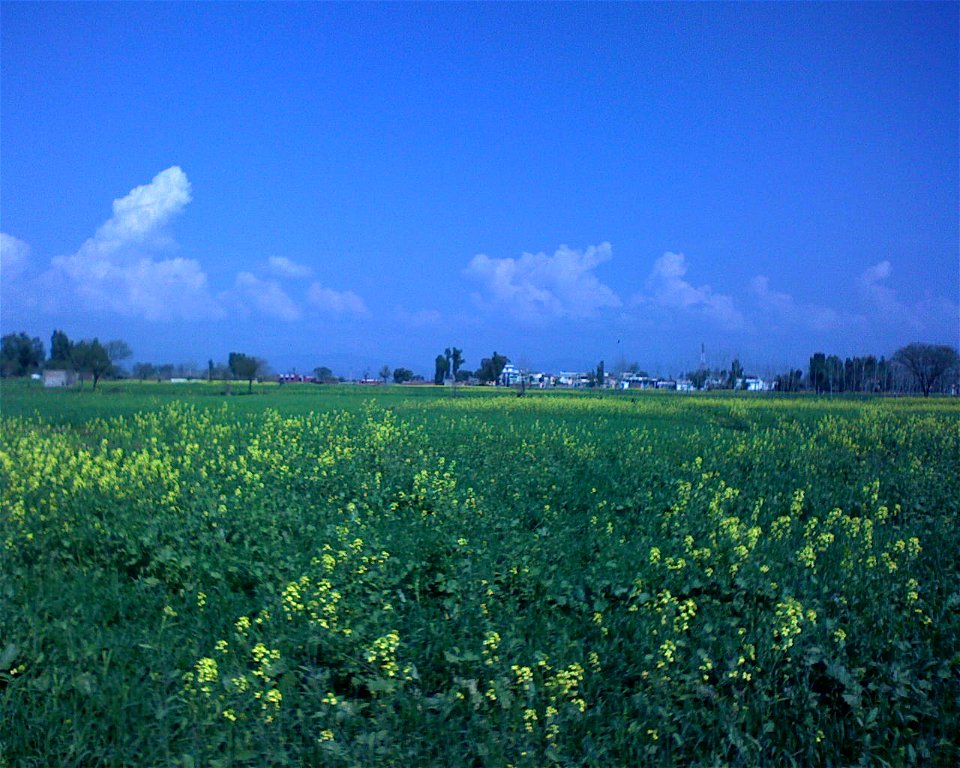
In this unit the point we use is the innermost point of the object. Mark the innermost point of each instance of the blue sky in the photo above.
(362, 184)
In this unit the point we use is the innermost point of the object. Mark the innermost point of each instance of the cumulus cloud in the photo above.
(267, 297)
(14, 254)
(113, 270)
(784, 307)
(336, 302)
(281, 266)
(537, 286)
(669, 288)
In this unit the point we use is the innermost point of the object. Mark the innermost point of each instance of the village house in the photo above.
(59, 378)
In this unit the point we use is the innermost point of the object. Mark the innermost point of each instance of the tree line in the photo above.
(21, 355)
(448, 366)
(915, 368)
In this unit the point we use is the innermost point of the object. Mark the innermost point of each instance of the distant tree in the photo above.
(834, 374)
(400, 375)
(245, 367)
(61, 351)
(385, 373)
(441, 366)
(164, 371)
(20, 354)
(91, 357)
(456, 361)
(817, 372)
(463, 375)
(735, 374)
(927, 363)
(698, 377)
(118, 350)
(491, 367)
(601, 376)
(144, 371)
(789, 381)
(209, 370)
(324, 375)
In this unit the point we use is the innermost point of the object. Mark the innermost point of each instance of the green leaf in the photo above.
(8, 656)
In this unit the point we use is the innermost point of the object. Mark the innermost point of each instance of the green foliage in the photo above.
(440, 369)
(91, 357)
(20, 355)
(491, 367)
(61, 350)
(324, 375)
(401, 375)
(489, 580)
(245, 367)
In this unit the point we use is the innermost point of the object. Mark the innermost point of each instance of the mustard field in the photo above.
(334, 577)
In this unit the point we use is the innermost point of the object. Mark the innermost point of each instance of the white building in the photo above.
(59, 378)
(509, 376)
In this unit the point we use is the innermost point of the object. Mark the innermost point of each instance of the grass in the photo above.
(396, 576)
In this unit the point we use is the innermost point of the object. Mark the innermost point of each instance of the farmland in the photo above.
(348, 577)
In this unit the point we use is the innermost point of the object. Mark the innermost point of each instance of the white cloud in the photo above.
(267, 297)
(932, 314)
(668, 288)
(537, 286)
(143, 212)
(113, 271)
(336, 302)
(13, 257)
(882, 299)
(281, 266)
(784, 306)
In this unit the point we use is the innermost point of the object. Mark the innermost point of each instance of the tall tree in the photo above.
(601, 375)
(736, 373)
(20, 354)
(456, 361)
(441, 366)
(817, 372)
(927, 363)
(91, 357)
(245, 367)
(385, 373)
(61, 349)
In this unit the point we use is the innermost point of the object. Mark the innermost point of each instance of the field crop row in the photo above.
(483, 581)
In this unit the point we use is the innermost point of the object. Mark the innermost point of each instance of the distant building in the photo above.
(540, 380)
(754, 384)
(59, 378)
(636, 381)
(509, 376)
